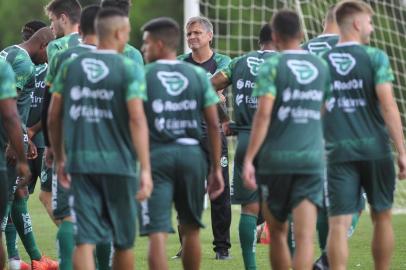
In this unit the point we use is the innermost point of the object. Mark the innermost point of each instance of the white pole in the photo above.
(191, 8)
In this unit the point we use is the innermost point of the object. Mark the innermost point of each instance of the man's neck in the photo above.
(104, 45)
(74, 28)
(268, 47)
(168, 56)
(202, 55)
(349, 37)
(290, 45)
(331, 30)
(89, 40)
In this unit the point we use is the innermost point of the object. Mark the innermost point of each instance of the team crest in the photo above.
(343, 62)
(174, 82)
(254, 63)
(95, 70)
(318, 48)
(304, 71)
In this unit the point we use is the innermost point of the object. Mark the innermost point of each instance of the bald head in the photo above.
(42, 36)
(37, 45)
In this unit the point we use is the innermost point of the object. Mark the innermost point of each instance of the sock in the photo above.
(355, 219)
(248, 239)
(291, 237)
(22, 222)
(11, 240)
(104, 256)
(66, 244)
(322, 228)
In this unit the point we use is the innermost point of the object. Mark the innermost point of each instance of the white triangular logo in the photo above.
(304, 71)
(318, 48)
(254, 63)
(174, 82)
(343, 62)
(96, 70)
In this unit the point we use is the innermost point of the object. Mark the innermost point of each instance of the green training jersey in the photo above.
(321, 44)
(24, 70)
(96, 87)
(215, 63)
(133, 54)
(61, 44)
(299, 83)
(7, 90)
(354, 126)
(177, 94)
(36, 103)
(242, 72)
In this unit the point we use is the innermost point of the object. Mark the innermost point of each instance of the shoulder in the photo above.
(221, 58)
(183, 57)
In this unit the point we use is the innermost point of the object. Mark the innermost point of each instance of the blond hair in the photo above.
(348, 8)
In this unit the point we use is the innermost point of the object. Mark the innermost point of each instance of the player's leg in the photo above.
(337, 244)
(45, 195)
(83, 257)
(191, 256)
(3, 208)
(104, 256)
(378, 180)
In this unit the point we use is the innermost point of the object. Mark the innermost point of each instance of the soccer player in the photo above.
(241, 74)
(124, 6)
(98, 119)
(361, 117)
(64, 16)
(287, 141)
(11, 127)
(179, 97)
(199, 34)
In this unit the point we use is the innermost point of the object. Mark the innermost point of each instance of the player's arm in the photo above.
(34, 129)
(391, 116)
(220, 80)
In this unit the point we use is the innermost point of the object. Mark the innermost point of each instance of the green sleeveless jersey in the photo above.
(299, 82)
(321, 44)
(354, 126)
(24, 70)
(133, 54)
(177, 94)
(242, 73)
(96, 87)
(7, 90)
(36, 103)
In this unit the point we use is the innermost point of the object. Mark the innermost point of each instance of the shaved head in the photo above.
(42, 36)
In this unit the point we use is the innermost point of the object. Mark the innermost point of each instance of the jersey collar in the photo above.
(348, 43)
(106, 51)
(295, 52)
(170, 62)
(24, 50)
(87, 46)
(327, 35)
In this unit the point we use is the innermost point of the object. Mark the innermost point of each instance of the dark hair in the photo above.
(165, 29)
(346, 9)
(102, 28)
(123, 5)
(265, 35)
(286, 23)
(331, 15)
(87, 19)
(71, 8)
(30, 28)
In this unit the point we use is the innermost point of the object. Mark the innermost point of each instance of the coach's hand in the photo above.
(146, 186)
(248, 175)
(402, 166)
(215, 183)
(63, 177)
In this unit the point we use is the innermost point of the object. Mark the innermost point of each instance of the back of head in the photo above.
(30, 28)
(331, 15)
(265, 34)
(108, 20)
(123, 5)
(165, 29)
(203, 21)
(42, 36)
(87, 20)
(346, 10)
(71, 8)
(286, 23)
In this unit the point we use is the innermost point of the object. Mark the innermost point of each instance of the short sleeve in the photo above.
(52, 70)
(59, 82)
(24, 71)
(265, 82)
(133, 54)
(380, 62)
(328, 87)
(7, 82)
(136, 84)
(222, 61)
(228, 70)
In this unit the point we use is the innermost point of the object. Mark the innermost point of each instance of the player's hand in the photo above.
(63, 177)
(215, 184)
(402, 166)
(226, 128)
(23, 173)
(30, 133)
(222, 97)
(49, 157)
(146, 186)
(32, 150)
(11, 156)
(248, 174)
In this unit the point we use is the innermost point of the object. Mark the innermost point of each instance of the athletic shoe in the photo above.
(321, 263)
(17, 264)
(178, 255)
(222, 255)
(44, 264)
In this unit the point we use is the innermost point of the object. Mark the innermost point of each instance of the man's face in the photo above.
(149, 48)
(40, 56)
(197, 37)
(366, 28)
(57, 25)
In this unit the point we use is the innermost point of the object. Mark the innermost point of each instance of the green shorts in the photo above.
(36, 169)
(60, 199)
(179, 173)
(283, 192)
(348, 180)
(46, 177)
(103, 209)
(240, 194)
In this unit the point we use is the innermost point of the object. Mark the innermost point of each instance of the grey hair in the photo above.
(203, 21)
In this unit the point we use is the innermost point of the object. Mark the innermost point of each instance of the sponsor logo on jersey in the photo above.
(35, 100)
(90, 113)
(350, 85)
(318, 48)
(240, 84)
(239, 99)
(247, 84)
(283, 113)
(254, 63)
(296, 94)
(330, 104)
(96, 70)
(159, 106)
(39, 69)
(342, 62)
(174, 82)
(304, 71)
(77, 93)
(299, 115)
(176, 126)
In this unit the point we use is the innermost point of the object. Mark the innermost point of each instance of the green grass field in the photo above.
(359, 244)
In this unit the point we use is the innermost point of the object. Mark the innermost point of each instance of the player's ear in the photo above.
(356, 23)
